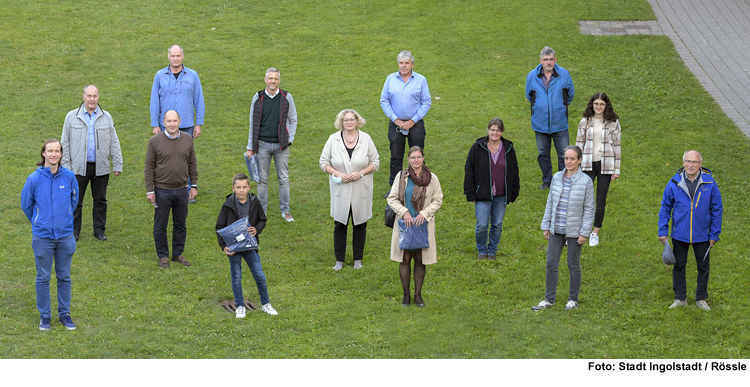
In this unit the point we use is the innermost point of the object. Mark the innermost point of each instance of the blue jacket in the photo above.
(48, 202)
(693, 221)
(549, 108)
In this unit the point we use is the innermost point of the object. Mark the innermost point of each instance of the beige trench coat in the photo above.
(433, 201)
(356, 194)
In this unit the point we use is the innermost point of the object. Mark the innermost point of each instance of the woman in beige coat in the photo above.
(415, 196)
(350, 158)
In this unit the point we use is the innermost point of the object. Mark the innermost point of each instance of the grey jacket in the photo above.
(74, 139)
(580, 218)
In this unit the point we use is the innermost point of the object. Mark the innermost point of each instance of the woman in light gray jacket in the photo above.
(568, 219)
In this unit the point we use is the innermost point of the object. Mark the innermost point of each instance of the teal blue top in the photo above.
(407, 197)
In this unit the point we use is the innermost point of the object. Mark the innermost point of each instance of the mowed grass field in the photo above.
(335, 55)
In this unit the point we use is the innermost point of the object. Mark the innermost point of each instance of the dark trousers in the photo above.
(359, 235)
(398, 143)
(601, 191)
(176, 201)
(679, 286)
(98, 194)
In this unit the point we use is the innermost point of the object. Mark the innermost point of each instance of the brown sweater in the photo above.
(169, 162)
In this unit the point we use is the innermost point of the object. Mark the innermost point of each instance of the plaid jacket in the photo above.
(610, 145)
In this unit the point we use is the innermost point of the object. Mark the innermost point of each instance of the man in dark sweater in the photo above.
(170, 161)
(273, 123)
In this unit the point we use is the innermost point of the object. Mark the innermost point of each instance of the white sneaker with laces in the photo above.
(702, 304)
(357, 265)
(338, 266)
(678, 303)
(240, 313)
(571, 305)
(269, 309)
(542, 305)
(287, 216)
(593, 239)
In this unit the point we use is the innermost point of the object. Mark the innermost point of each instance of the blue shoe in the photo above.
(67, 322)
(44, 323)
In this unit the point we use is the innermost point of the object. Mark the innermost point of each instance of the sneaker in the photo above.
(192, 201)
(593, 239)
(491, 257)
(67, 322)
(269, 309)
(481, 257)
(701, 304)
(181, 260)
(357, 265)
(164, 263)
(338, 266)
(571, 305)
(544, 186)
(287, 216)
(44, 323)
(542, 305)
(678, 303)
(240, 313)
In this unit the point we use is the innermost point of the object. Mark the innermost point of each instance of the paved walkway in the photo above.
(712, 38)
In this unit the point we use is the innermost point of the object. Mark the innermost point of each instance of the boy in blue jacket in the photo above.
(48, 199)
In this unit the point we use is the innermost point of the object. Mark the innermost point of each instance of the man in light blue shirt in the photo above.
(405, 101)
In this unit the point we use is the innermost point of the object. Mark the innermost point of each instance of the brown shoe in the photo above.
(181, 260)
(164, 263)
(481, 257)
(490, 257)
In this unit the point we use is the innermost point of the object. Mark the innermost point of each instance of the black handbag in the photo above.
(390, 216)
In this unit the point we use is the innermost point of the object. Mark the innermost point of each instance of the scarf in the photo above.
(420, 186)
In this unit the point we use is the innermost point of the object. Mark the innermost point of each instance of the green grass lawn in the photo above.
(335, 55)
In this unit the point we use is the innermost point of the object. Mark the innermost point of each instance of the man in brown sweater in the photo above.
(170, 160)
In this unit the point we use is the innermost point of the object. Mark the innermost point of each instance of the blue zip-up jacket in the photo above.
(693, 221)
(549, 107)
(48, 202)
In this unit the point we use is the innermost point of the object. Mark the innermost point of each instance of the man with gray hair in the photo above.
(273, 124)
(549, 89)
(693, 202)
(90, 141)
(405, 101)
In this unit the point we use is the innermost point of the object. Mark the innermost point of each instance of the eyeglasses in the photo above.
(600, 104)
(692, 162)
(495, 130)
(350, 120)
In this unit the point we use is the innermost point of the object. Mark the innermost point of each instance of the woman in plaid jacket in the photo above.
(599, 137)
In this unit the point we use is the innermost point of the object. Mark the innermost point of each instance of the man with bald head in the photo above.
(170, 162)
(90, 141)
(693, 202)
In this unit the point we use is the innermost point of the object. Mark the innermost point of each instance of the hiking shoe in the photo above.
(67, 322)
(701, 304)
(338, 266)
(357, 265)
(164, 263)
(544, 186)
(542, 305)
(678, 303)
(481, 257)
(44, 323)
(593, 240)
(571, 305)
(287, 216)
(491, 257)
(240, 313)
(269, 309)
(181, 260)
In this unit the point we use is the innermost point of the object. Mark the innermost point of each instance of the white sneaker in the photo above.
(240, 313)
(571, 305)
(593, 239)
(678, 303)
(338, 266)
(287, 216)
(357, 265)
(542, 305)
(269, 309)
(702, 304)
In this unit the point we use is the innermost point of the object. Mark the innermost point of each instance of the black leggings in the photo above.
(601, 191)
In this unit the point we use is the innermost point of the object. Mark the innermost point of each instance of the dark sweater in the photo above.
(269, 119)
(169, 162)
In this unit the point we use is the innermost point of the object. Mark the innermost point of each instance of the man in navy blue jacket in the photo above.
(549, 89)
(693, 201)
(48, 199)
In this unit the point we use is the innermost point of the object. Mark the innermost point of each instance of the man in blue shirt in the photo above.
(90, 141)
(177, 88)
(549, 89)
(405, 101)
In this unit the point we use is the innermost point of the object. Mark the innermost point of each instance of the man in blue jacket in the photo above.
(549, 89)
(693, 201)
(48, 199)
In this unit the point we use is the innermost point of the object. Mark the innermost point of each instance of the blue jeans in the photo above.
(266, 150)
(45, 251)
(489, 213)
(253, 262)
(544, 145)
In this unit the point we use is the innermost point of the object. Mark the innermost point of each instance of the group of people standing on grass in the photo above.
(53, 194)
